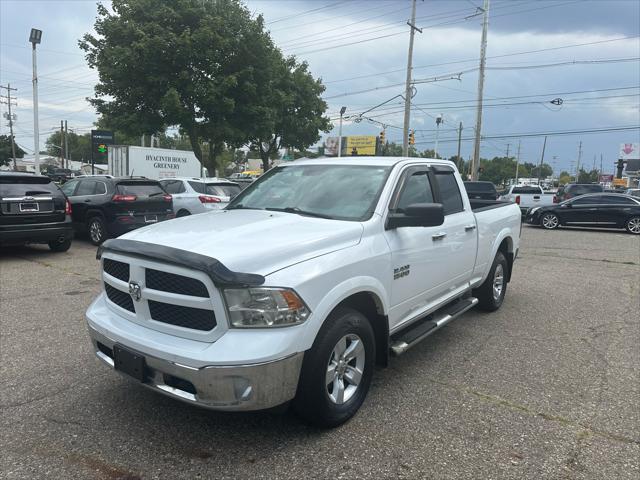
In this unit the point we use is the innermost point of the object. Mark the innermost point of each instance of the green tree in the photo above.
(79, 146)
(187, 63)
(6, 153)
(293, 109)
(392, 149)
(588, 177)
(545, 170)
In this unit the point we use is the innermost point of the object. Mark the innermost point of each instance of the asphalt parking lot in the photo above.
(547, 387)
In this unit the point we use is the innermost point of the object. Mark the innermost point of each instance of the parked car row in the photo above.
(34, 209)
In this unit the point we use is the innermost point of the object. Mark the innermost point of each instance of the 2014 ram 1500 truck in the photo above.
(311, 276)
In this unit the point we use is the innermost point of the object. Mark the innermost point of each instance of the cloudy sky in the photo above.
(584, 52)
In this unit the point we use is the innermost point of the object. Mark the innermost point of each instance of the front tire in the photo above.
(97, 230)
(549, 221)
(633, 225)
(57, 246)
(337, 370)
(491, 293)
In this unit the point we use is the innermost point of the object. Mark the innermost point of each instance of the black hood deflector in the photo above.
(220, 275)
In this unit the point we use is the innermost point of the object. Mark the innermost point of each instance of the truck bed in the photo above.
(483, 205)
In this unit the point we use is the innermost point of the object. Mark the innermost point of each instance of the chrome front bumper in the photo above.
(238, 387)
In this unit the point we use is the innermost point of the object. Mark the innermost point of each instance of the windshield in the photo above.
(139, 189)
(342, 192)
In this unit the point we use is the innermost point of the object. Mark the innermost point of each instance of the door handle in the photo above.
(438, 236)
(88, 200)
(468, 228)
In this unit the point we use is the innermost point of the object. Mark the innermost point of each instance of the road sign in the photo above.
(100, 141)
(620, 182)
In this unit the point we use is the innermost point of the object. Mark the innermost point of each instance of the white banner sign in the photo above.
(629, 151)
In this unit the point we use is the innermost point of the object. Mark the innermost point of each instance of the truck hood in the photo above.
(252, 241)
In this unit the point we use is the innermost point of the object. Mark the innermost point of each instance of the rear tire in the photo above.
(337, 370)
(183, 213)
(97, 230)
(633, 225)
(57, 246)
(549, 221)
(491, 293)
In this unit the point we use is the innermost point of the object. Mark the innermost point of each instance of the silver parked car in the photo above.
(199, 195)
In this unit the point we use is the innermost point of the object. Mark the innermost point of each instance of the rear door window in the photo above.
(199, 187)
(18, 186)
(449, 192)
(616, 200)
(69, 187)
(86, 187)
(139, 189)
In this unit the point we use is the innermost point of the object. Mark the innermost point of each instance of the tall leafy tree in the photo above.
(188, 63)
(79, 145)
(289, 99)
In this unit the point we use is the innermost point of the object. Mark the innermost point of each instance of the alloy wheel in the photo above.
(549, 221)
(95, 230)
(345, 368)
(498, 282)
(634, 225)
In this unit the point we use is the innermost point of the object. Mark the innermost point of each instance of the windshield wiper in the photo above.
(297, 211)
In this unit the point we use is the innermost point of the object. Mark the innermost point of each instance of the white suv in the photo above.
(198, 195)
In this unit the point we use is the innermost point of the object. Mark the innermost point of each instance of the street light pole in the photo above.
(34, 38)
(438, 122)
(342, 110)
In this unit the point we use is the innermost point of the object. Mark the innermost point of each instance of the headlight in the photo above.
(264, 307)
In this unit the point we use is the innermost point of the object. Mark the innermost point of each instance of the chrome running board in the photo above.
(418, 331)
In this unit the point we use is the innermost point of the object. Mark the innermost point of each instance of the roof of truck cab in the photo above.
(368, 161)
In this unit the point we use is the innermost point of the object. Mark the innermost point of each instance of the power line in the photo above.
(299, 14)
(513, 54)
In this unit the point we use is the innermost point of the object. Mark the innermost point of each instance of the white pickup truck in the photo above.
(528, 196)
(310, 277)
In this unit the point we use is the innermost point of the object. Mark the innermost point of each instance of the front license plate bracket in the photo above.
(128, 362)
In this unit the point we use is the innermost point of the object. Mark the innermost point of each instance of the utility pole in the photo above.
(517, 162)
(600, 164)
(483, 55)
(458, 159)
(62, 152)
(578, 162)
(66, 144)
(10, 118)
(508, 145)
(342, 110)
(407, 90)
(544, 146)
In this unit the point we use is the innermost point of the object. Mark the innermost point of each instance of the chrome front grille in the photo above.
(168, 298)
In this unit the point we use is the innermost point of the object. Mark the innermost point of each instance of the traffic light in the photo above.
(382, 139)
(412, 138)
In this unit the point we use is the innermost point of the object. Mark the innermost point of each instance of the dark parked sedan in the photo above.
(605, 210)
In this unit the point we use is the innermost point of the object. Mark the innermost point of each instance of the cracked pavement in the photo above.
(547, 387)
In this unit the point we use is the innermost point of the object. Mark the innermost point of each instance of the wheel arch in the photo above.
(364, 294)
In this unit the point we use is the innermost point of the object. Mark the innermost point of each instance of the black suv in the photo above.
(571, 190)
(105, 206)
(33, 209)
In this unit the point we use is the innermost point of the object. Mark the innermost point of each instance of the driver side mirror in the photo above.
(417, 215)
